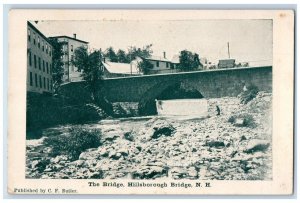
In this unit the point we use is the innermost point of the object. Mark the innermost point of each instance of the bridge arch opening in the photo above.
(163, 91)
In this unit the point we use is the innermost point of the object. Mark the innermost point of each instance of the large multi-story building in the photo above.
(71, 72)
(39, 61)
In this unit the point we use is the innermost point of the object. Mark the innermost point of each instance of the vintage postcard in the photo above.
(151, 102)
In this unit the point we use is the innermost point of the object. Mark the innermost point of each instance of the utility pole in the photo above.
(228, 50)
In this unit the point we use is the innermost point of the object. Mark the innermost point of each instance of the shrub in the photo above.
(248, 94)
(73, 144)
(242, 120)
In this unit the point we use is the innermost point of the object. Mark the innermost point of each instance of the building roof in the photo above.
(157, 58)
(122, 68)
(227, 60)
(64, 36)
(39, 32)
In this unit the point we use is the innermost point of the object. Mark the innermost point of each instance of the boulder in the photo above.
(58, 159)
(40, 165)
(78, 163)
(89, 155)
(150, 172)
(123, 152)
(243, 138)
(162, 128)
(216, 144)
(156, 130)
(129, 136)
(256, 145)
(109, 137)
(192, 173)
(104, 152)
(239, 122)
(34, 164)
(178, 173)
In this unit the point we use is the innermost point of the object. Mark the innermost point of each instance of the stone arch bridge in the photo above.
(144, 89)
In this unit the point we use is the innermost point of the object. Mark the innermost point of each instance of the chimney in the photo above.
(74, 35)
(164, 54)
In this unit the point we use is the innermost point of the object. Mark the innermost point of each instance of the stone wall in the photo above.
(211, 84)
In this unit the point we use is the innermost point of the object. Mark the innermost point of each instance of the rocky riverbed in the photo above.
(220, 147)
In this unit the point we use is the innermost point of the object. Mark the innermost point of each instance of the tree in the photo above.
(111, 54)
(122, 58)
(144, 52)
(188, 61)
(57, 64)
(145, 66)
(246, 64)
(90, 64)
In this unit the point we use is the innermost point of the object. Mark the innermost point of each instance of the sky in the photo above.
(249, 40)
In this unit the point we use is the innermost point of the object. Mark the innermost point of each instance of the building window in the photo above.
(29, 35)
(36, 80)
(30, 62)
(48, 83)
(49, 51)
(157, 63)
(51, 84)
(33, 38)
(43, 45)
(43, 66)
(167, 64)
(44, 83)
(34, 60)
(47, 67)
(50, 67)
(38, 41)
(40, 77)
(47, 48)
(39, 63)
(71, 47)
(30, 77)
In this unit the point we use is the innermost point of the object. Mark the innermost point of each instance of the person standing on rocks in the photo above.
(218, 110)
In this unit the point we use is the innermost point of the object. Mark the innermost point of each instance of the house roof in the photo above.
(157, 58)
(122, 68)
(64, 36)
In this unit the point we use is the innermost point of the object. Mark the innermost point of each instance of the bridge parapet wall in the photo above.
(211, 84)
